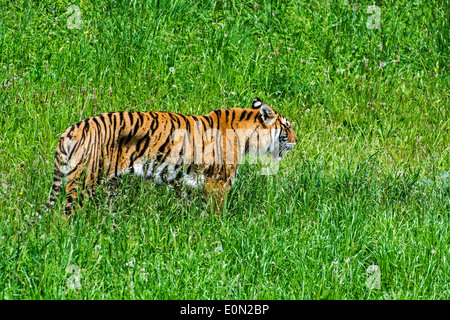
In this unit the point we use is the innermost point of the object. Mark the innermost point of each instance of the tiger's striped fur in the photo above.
(197, 151)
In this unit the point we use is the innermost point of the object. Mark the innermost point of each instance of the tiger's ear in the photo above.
(268, 116)
(256, 103)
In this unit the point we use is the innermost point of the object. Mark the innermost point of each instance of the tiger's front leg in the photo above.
(216, 193)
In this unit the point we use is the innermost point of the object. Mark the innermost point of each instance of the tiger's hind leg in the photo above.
(74, 196)
(79, 186)
(66, 181)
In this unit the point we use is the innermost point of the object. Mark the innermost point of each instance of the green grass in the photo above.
(367, 183)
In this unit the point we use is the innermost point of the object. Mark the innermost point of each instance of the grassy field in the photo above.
(367, 183)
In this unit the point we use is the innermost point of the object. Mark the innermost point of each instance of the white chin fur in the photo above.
(277, 158)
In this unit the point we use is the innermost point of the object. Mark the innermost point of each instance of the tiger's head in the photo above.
(282, 137)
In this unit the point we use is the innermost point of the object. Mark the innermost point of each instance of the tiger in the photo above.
(198, 152)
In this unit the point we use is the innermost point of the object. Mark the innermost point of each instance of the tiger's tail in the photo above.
(61, 158)
(56, 188)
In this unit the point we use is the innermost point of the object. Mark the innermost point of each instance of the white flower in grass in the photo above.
(172, 69)
(130, 263)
